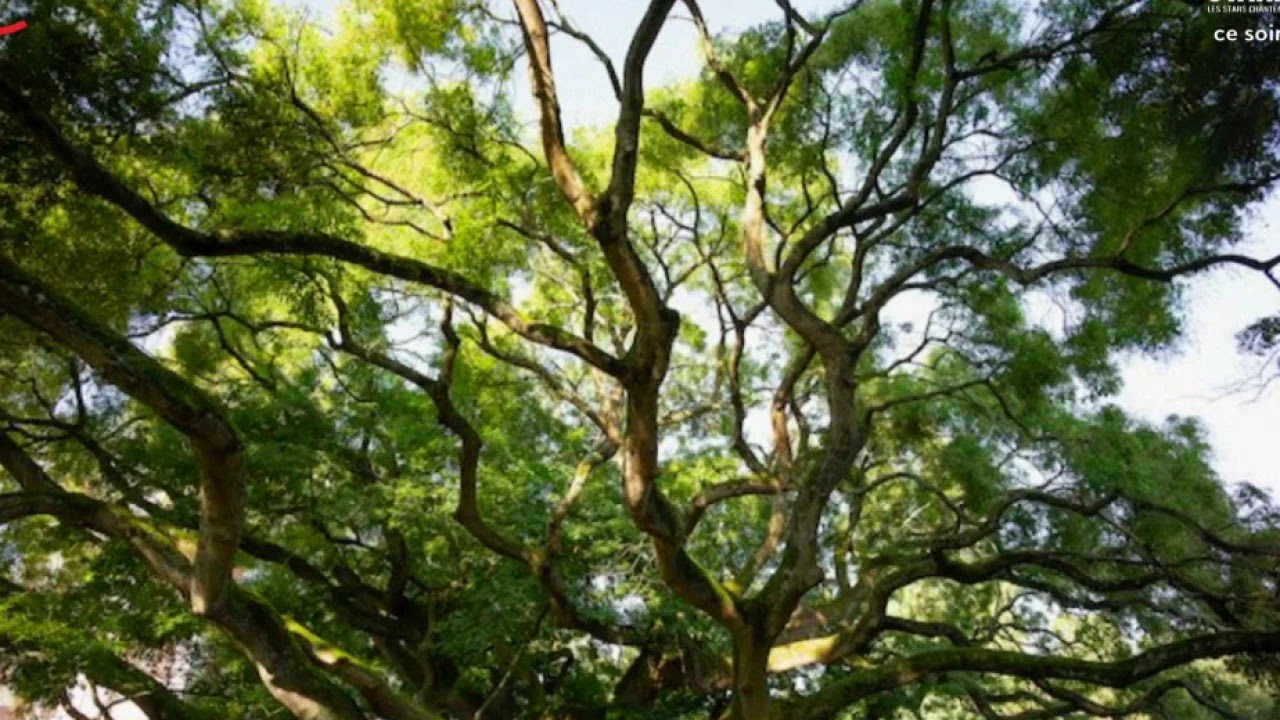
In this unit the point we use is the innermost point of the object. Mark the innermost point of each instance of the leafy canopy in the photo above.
(340, 380)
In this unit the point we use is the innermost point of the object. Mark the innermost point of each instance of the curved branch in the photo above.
(289, 658)
(217, 447)
(93, 178)
(1116, 674)
(568, 180)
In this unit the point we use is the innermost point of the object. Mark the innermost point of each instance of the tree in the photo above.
(330, 391)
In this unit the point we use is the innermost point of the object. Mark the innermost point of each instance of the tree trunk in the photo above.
(751, 699)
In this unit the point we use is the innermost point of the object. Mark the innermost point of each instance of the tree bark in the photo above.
(751, 699)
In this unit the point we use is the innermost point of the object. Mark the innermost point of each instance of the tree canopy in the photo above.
(339, 380)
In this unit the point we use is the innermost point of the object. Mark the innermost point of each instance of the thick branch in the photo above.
(1117, 674)
(567, 178)
(290, 660)
(217, 448)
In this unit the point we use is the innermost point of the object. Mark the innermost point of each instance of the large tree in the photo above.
(338, 380)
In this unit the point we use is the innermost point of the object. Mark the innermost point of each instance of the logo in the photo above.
(1235, 7)
(11, 29)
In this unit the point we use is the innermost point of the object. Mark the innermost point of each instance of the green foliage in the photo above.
(984, 438)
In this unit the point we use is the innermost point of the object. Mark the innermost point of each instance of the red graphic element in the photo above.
(11, 29)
